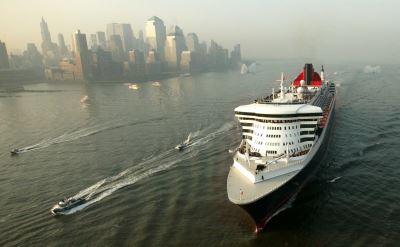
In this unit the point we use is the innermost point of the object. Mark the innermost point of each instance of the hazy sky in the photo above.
(356, 30)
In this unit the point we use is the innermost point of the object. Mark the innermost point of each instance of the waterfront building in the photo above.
(236, 57)
(49, 49)
(61, 45)
(33, 59)
(174, 46)
(156, 35)
(192, 42)
(153, 64)
(4, 62)
(125, 32)
(187, 61)
(82, 55)
(103, 66)
(140, 41)
(136, 64)
(101, 40)
(93, 42)
(218, 56)
(116, 48)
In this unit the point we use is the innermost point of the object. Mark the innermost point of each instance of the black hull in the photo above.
(268, 206)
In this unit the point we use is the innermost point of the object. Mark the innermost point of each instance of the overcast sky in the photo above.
(356, 30)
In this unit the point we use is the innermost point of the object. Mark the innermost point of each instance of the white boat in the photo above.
(156, 84)
(184, 144)
(133, 86)
(244, 69)
(84, 99)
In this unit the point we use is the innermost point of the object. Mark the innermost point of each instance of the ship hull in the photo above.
(270, 205)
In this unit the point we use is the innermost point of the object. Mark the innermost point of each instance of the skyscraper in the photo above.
(61, 45)
(79, 42)
(116, 48)
(93, 42)
(4, 63)
(46, 37)
(156, 35)
(49, 49)
(32, 57)
(125, 32)
(82, 55)
(174, 46)
(140, 41)
(192, 42)
(101, 40)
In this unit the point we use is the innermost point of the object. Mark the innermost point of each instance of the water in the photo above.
(118, 150)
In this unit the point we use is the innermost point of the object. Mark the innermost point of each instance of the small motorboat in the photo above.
(84, 99)
(181, 146)
(184, 144)
(156, 84)
(15, 151)
(66, 204)
(133, 86)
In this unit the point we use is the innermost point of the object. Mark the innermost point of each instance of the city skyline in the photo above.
(277, 29)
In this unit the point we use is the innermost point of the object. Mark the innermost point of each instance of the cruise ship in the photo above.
(284, 137)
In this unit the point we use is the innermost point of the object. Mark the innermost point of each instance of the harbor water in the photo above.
(117, 148)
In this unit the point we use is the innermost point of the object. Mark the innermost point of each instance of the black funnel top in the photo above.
(308, 73)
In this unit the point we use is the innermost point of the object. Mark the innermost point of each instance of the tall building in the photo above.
(33, 58)
(218, 56)
(156, 35)
(116, 47)
(61, 45)
(101, 40)
(82, 55)
(49, 49)
(93, 42)
(192, 42)
(174, 46)
(79, 42)
(4, 63)
(236, 57)
(44, 29)
(125, 32)
(140, 41)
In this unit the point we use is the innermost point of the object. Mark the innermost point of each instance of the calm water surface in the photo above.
(118, 149)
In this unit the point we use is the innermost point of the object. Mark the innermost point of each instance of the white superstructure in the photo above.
(280, 135)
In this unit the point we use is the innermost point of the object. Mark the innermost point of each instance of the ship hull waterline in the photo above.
(264, 209)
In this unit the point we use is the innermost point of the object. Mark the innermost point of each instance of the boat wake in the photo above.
(144, 169)
(71, 136)
(334, 180)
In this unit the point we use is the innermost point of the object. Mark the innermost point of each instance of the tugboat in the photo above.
(66, 204)
(284, 138)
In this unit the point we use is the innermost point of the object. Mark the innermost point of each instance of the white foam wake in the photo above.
(153, 165)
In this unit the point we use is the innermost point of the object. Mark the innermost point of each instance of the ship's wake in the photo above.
(144, 169)
(81, 133)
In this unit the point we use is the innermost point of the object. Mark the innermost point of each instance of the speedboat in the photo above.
(15, 151)
(182, 146)
(133, 86)
(66, 204)
(156, 84)
(84, 99)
